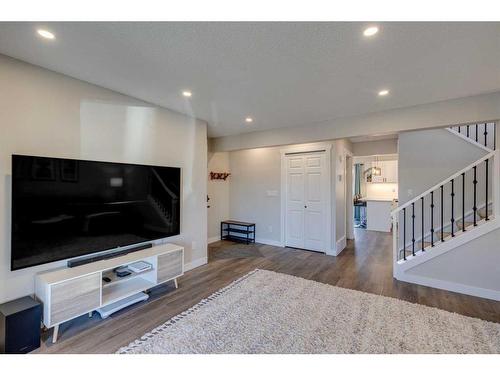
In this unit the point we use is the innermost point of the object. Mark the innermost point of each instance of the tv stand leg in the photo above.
(176, 284)
(55, 334)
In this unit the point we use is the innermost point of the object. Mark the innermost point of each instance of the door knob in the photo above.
(305, 206)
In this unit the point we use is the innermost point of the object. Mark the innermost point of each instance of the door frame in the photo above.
(304, 149)
(348, 194)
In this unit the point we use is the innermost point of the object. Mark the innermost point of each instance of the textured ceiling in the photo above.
(281, 74)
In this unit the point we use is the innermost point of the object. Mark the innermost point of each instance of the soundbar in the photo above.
(96, 258)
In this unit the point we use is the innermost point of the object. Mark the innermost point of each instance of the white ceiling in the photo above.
(281, 74)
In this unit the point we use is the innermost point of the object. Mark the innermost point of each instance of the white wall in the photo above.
(218, 191)
(382, 190)
(254, 173)
(381, 147)
(427, 157)
(48, 114)
(475, 264)
(445, 113)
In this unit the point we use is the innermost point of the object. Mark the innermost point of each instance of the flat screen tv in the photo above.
(64, 208)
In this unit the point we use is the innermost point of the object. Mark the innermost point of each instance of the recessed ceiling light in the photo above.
(370, 31)
(249, 120)
(45, 34)
(187, 94)
(383, 92)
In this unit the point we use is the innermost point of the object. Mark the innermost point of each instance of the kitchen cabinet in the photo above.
(389, 171)
(378, 215)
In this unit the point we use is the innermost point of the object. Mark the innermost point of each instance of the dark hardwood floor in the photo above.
(366, 265)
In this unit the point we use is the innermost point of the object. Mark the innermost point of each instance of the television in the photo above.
(65, 208)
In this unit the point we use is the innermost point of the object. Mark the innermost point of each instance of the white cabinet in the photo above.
(389, 171)
(378, 215)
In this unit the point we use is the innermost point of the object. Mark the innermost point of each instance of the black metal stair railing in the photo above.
(432, 219)
(422, 228)
(442, 212)
(463, 202)
(487, 130)
(452, 220)
(404, 233)
(413, 229)
(474, 208)
(486, 184)
(469, 196)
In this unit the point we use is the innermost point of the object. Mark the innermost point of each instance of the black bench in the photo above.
(238, 231)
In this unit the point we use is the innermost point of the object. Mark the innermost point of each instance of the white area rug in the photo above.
(269, 312)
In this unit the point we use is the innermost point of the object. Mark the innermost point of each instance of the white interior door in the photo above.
(306, 187)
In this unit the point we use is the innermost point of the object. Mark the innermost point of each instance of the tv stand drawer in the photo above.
(170, 266)
(74, 297)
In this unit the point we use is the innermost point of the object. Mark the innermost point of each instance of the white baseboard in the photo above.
(213, 239)
(195, 263)
(451, 286)
(265, 241)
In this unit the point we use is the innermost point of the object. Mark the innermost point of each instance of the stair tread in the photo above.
(445, 232)
(467, 224)
(482, 212)
(418, 246)
(438, 235)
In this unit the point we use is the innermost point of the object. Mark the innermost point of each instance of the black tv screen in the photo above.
(64, 208)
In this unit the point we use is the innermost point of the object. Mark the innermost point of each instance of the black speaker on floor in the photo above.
(20, 326)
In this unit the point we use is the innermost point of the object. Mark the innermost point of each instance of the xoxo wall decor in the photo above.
(219, 175)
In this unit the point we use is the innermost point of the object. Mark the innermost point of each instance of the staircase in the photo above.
(457, 210)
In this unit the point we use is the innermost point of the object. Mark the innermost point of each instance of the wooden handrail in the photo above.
(452, 177)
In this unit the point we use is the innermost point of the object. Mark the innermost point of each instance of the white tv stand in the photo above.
(70, 292)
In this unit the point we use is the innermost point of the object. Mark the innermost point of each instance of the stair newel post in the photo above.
(442, 212)
(432, 219)
(413, 228)
(463, 202)
(404, 233)
(452, 220)
(474, 207)
(486, 196)
(422, 242)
